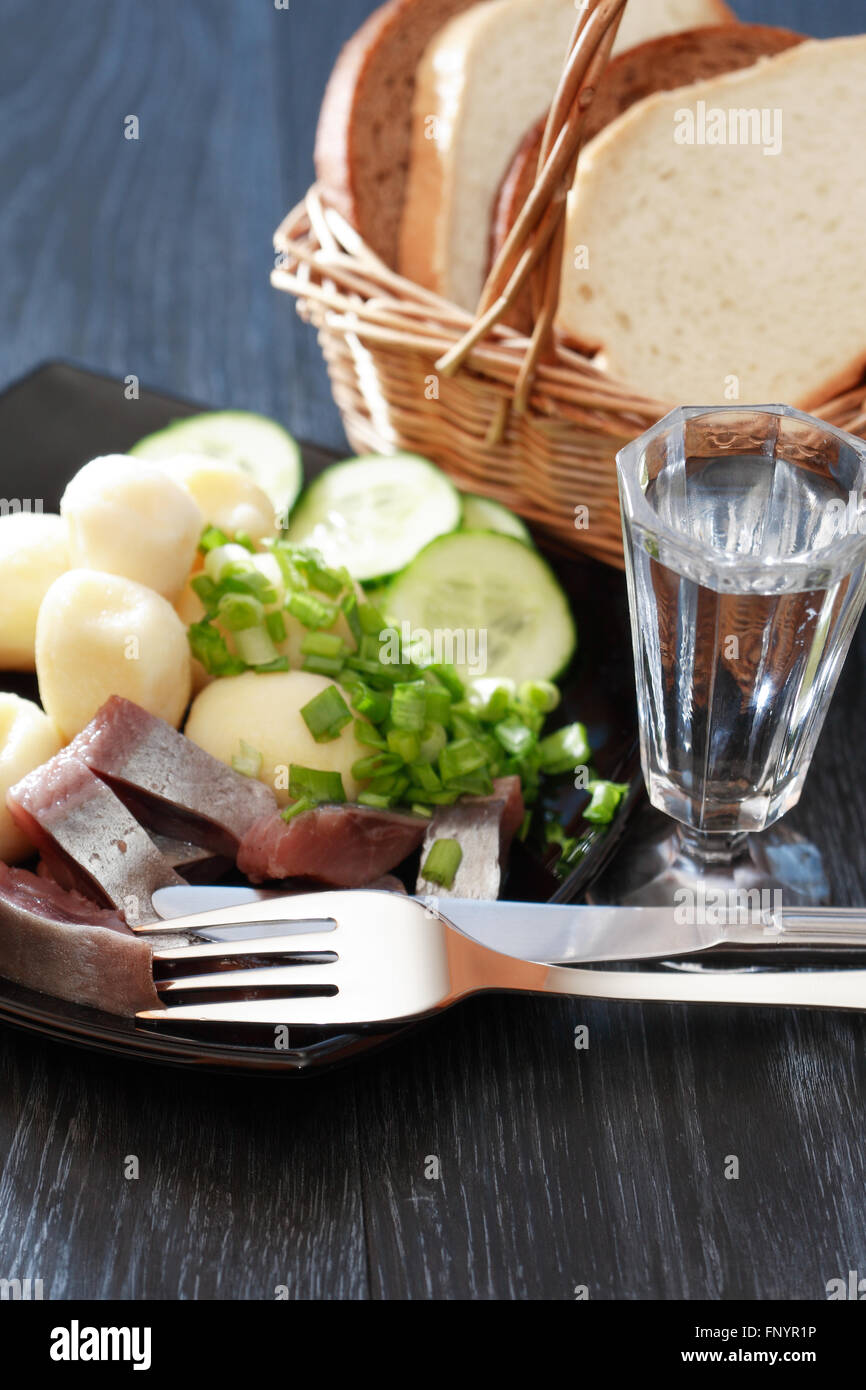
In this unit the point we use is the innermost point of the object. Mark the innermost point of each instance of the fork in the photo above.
(374, 959)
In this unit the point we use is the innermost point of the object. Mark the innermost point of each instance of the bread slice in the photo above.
(718, 272)
(483, 80)
(659, 65)
(362, 141)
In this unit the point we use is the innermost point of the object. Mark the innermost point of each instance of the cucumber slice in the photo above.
(483, 514)
(494, 596)
(253, 443)
(374, 514)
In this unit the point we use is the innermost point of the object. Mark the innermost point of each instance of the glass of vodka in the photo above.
(745, 548)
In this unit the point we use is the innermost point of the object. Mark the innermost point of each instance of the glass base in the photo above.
(662, 860)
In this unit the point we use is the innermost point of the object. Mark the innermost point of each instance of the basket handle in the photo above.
(534, 246)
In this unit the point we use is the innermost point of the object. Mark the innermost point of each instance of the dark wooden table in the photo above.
(557, 1168)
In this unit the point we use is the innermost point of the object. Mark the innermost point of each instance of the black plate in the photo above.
(58, 418)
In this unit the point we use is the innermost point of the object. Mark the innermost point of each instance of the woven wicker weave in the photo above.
(529, 422)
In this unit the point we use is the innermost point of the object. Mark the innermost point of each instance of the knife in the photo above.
(564, 934)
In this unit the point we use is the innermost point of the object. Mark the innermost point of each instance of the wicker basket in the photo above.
(528, 421)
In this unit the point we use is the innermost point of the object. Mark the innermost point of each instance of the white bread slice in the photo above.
(715, 262)
(483, 80)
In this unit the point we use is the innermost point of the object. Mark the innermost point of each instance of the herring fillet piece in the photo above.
(484, 827)
(56, 942)
(342, 845)
(173, 786)
(89, 840)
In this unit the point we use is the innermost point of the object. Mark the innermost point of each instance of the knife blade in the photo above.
(557, 933)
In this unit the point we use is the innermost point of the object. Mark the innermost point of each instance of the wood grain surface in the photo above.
(558, 1168)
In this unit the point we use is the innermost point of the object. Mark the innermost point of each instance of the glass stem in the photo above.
(709, 848)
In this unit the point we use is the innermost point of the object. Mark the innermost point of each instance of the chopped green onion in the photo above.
(375, 704)
(375, 799)
(437, 704)
(404, 744)
(370, 619)
(210, 648)
(239, 612)
(317, 786)
(514, 736)
(311, 611)
(323, 644)
(496, 707)
(433, 740)
(211, 538)
(447, 676)
(297, 808)
(250, 581)
(248, 762)
(606, 797)
(408, 705)
(279, 663)
(369, 735)
(463, 756)
(425, 776)
(349, 606)
(224, 560)
(375, 764)
(207, 591)
(541, 695)
(473, 784)
(326, 714)
(276, 626)
(442, 862)
(255, 646)
(418, 810)
(324, 665)
(443, 798)
(245, 539)
(565, 750)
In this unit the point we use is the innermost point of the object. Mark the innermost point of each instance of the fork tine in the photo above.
(284, 977)
(275, 947)
(322, 1011)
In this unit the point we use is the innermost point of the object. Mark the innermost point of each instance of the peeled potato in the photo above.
(100, 634)
(265, 712)
(226, 496)
(125, 516)
(28, 738)
(33, 552)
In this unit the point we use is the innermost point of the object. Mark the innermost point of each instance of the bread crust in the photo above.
(658, 65)
(364, 131)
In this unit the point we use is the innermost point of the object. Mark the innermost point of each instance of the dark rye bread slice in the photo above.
(659, 65)
(365, 125)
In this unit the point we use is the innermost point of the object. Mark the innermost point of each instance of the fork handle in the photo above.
(814, 989)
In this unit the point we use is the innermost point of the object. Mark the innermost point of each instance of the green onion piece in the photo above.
(447, 676)
(370, 619)
(473, 784)
(375, 764)
(326, 714)
(408, 706)
(404, 744)
(276, 626)
(565, 750)
(375, 704)
(606, 797)
(325, 580)
(541, 695)
(368, 648)
(514, 736)
(248, 762)
(418, 810)
(209, 647)
(458, 759)
(324, 665)
(375, 799)
(369, 735)
(311, 611)
(211, 538)
(442, 862)
(207, 591)
(316, 785)
(293, 578)
(245, 539)
(255, 646)
(496, 707)
(297, 808)
(238, 612)
(437, 704)
(280, 663)
(425, 776)
(323, 644)
(250, 581)
(443, 798)
(433, 740)
(224, 560)
(349, 606)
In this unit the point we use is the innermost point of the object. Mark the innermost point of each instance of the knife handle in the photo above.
(807, 989)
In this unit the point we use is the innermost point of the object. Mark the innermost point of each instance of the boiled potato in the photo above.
(125, 516)
(100, 634)
(226, 496)
(33, 552)
(28, 738)
(264, 710)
